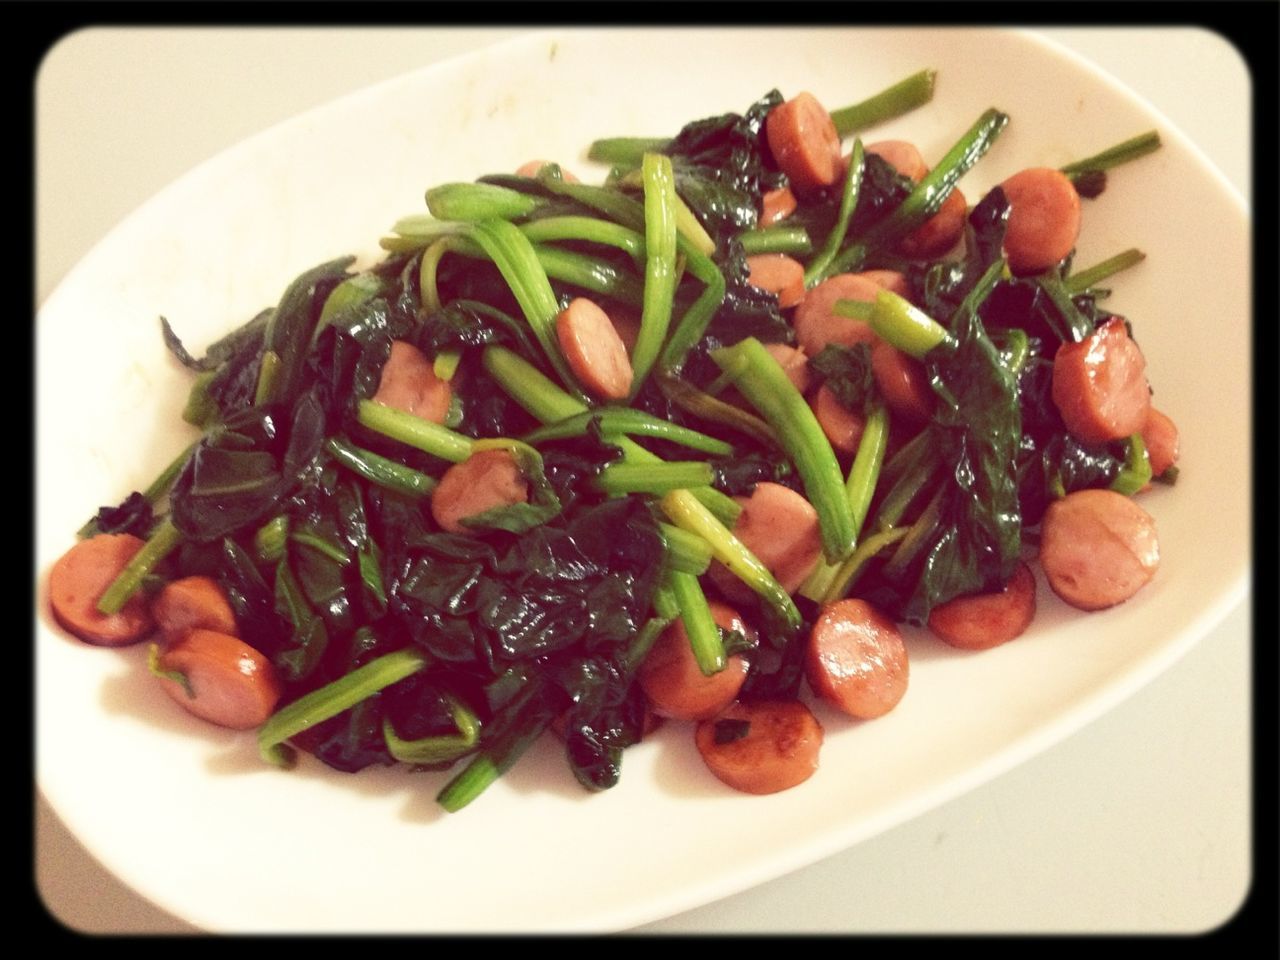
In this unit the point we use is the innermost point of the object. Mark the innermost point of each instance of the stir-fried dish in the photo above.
(705, 444)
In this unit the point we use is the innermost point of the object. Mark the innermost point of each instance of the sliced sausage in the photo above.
(409, 383)
(762, 747)
(983, 620)
(780, 527)
(533, 167)
(776, 206)
(626, 321)
(1044, 219)
(228, 682)
(1100, 385)
(80, 578)
(890, 280)
(1097, 548)
(594, 350)
(856, 659)
(902, 156)
(842, 426)
(675, 684)
(1160, 434)
(778, 274)
(804, 141)
(816, 325)
(484, 481)
(191, 603)
(794, 363)
(902, 380)
(940, 232)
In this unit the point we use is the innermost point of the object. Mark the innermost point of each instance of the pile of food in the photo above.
(689, 446)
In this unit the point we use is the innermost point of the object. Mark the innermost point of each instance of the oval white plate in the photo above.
(187, 815)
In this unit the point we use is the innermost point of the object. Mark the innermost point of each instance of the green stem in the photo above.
(706, 407)
(1082, 280)
(1123, 152)
(1136, 472)
(905, 326)
(656, 479)
(851, 568)
(418, 433)
(380, 470)
(903, 97)
(625, 420)
(589, 229)
(332, 699)
(927, 197)
(438, 749)
(685, 511)
(848, 201)
(660, 264)
(768, 388)
(625, 150)
(686, 552)
(780, 238)
(127, 582)
(699, 625)
(476, 202)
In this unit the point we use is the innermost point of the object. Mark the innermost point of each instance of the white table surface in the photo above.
(1138, 823)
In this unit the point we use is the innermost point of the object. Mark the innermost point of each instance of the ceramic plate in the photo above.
(188, 815)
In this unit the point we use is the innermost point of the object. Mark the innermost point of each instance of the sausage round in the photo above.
(776, 205)
(778, 748)
(842, 426)
(486, 480)
(1097, 548)
(594, 349)
(794, 363)
(902, 156)
(815, 323)
(231, 683)
(675, 684)
(409, 383)
(890, 280)
(1160, 434)
(778, 274)
(1044, 219)
(804, 141)
(902, 381)
(1100, 385)
(193, 602)
(856, 659)
(781, 528)
(81, 576)
(984, 620)
(940, 232)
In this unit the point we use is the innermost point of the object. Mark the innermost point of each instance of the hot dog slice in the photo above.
(902, 156)
(776, 205)
(781, 528)
(842, 426)
(409, 383)
(77, 582)
(1100, 385)
(762, 747)
(594, 350)
(1044, 219)
(191, 603)
(779, 274)
(902, 381)
(891, 280)
(675, 684)
(984, 620)
(940, 232)
(856, 659)
(804, 141)
(1097, 548)
(794, 363)
(228, 682)
(1160, 434)
(816, 325)
(484, 481)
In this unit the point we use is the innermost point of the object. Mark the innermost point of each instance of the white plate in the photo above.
(319, 851)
